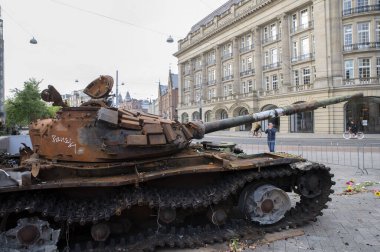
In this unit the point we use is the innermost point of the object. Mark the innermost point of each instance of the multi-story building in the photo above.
(76, 98)
(168, 97)
(2, 89)
(253, 55)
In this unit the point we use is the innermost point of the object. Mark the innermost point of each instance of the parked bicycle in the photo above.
(257, 133)
(349, 135)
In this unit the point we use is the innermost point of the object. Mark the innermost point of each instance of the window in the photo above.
(364, 68)
(377, 31)
(249, 63)
(273, 31)
(305, 47)
(306, 76)
(198, 79)
(197, 96)
(243, 65)
(250, 87)
(267, 83)
(230, 89)
(211, 93)
(265, 34)
(249, 40)
(225, 90)
(211, 57)
(266, 58)
(243, 87)
(274, 82)
(378, 67)
(187, 83)
(294, 22)
(242, 42)
(347, 29)
(274, 55)
(227, 70)
(363, 34)
(349, 69)
(304, 18)
(362, 3)
(295, 49)
(211, 75)
(227, 50)
(347, 5)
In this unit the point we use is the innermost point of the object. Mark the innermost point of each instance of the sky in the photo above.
(82, 39)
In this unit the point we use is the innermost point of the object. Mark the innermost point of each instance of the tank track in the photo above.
(88, 211)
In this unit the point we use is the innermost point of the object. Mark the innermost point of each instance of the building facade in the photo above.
(252, 55)
(2, 88)
(168, 97)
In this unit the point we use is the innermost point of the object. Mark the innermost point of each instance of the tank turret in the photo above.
(95, 132)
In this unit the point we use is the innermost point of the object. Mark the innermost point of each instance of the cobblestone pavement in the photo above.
(351, 223)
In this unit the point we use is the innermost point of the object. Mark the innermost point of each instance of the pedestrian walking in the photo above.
(271, 136)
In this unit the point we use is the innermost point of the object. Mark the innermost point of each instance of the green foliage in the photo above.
(26, 105)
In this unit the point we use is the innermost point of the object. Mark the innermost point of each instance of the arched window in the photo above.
(243, 111)
(365, 112)
(196, 116)
(208, 116)
(185, 117)
(302, 122)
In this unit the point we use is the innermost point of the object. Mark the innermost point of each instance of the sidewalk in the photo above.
(244, 134)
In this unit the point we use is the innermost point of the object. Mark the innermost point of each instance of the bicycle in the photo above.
(349, 135)
(255, 133)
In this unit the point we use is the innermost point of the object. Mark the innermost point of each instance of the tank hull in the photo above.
(126, 199)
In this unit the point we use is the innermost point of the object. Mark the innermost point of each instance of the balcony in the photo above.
(247, 72)
(211, 82)
(272, 39)
(361, 81)
(226, 78)
(297, 88)
(361, 46)
(211, 62)
(302, 27)
(246, 48)
(226, 56)
(361, 9)
(304, 57)
(272, 66)
(198, 67)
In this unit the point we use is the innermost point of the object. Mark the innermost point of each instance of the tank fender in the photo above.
(303, 166)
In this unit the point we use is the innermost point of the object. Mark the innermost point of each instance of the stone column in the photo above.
(285, 45)
(236, 68)
(322, 50)
(218, 72)
(191, 75)
(181, 82)
(258, 58)
(204, 77)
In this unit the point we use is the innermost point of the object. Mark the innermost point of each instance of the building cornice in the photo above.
(251, 10)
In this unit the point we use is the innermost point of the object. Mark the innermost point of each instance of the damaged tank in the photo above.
(98, 178)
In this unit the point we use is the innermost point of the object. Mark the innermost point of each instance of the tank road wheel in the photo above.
(30, 234)
(265, 204)
(309, 185)
(100, 231)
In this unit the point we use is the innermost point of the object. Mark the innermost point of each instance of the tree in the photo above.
(26, 105)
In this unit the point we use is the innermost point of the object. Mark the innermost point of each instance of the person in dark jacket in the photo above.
(271, 136)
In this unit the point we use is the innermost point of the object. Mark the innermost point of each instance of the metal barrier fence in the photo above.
(362, 156)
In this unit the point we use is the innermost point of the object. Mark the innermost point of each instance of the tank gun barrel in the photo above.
(287, 110)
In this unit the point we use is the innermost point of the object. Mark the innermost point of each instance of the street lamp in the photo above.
(33, 41)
